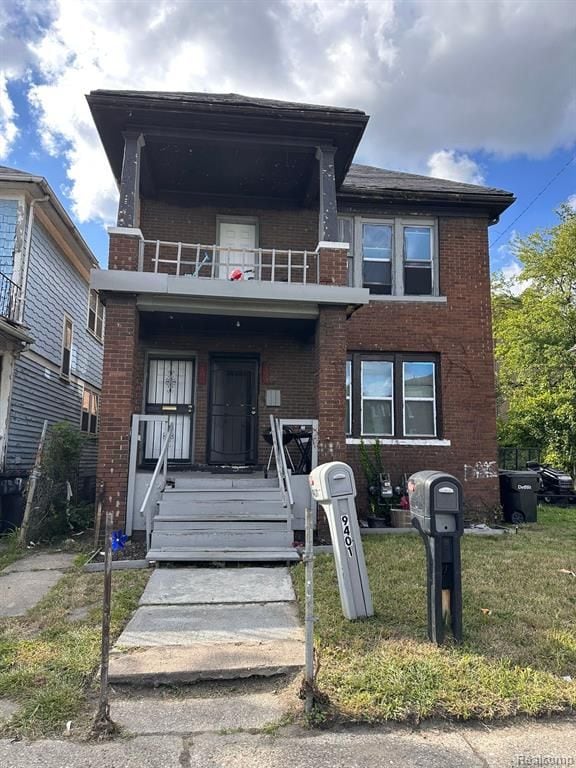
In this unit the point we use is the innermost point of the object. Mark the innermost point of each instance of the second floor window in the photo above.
(95, 315)
(67, 336)
(392, 257)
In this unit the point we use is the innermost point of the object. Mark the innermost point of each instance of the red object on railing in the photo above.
(236, 274)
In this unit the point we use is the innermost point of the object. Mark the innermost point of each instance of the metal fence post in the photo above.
(309, 609)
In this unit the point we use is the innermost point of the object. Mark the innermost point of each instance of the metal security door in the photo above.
(170, 392)
(233, 411)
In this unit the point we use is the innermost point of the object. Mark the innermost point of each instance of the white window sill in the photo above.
(424, 441)
(410, 299)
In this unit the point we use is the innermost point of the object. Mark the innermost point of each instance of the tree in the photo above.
(534, 331)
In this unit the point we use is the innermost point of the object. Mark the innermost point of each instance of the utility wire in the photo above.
(531, 203)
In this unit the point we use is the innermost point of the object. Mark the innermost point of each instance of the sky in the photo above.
(482, 91)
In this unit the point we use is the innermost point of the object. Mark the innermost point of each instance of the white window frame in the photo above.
(93, 394)
(419, 399)
(398, 224)
(99, 306)
(348, 397)
(63, 374)
(362, 398)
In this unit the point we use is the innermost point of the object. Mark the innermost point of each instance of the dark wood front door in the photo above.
(233, 411)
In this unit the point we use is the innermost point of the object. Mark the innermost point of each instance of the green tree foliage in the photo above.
(534, 329)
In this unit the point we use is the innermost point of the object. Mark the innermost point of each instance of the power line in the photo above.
(531, 203)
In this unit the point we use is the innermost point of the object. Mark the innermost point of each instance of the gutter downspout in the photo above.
(26, 259)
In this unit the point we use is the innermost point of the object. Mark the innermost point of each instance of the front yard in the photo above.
(48, 657)
(519, 630)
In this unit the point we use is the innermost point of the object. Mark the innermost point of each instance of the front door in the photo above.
(170, 392)
(233, 238)
(233, 411)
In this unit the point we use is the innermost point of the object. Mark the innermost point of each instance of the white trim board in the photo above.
(398, 441)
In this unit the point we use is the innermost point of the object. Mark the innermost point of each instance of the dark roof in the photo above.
(366, 179)
(223, 100)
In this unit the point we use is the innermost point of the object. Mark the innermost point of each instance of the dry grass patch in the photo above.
(48, 660)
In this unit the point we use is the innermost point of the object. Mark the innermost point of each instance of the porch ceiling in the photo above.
(226, 145)
(182, 324)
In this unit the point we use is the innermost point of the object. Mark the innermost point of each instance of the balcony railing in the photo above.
(215, 262)
(9, 298)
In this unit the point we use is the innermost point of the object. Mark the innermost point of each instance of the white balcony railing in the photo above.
(217, 262)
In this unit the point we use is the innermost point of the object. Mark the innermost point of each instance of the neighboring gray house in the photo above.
(51, 331)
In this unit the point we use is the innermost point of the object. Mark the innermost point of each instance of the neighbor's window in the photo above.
(377, 257)
(95, 315)
(66, 348)
(391, 395)
(90, 406)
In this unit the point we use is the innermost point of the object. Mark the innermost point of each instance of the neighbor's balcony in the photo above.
(9, 298)
(214, 262)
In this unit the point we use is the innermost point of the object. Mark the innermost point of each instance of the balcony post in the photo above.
(129, 205)
(327, 211)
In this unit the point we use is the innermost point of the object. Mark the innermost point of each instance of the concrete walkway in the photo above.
(24, 583)
(209, 623)
(523, 743)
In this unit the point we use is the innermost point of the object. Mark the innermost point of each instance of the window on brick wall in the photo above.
(392, 257)
(67, 336)
(95, 315)
(392, 395)
(90, 408)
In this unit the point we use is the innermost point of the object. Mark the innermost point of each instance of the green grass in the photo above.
(47, 661)
(10, 551)
(512, 660)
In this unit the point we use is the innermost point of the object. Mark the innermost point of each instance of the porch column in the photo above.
(129, 205)
(328, 218)
(120, 389)
(331, 344)
(124, 250)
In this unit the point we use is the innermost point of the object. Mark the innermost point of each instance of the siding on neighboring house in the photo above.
(8, 222)
(54, 288)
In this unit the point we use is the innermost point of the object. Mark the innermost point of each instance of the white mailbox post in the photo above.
(332, 486)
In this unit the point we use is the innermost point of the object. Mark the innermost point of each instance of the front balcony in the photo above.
(214, 262)
(211, 279)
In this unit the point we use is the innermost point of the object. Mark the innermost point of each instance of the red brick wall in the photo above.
(117, 402)
(460, 331)
(295, 229)
(333, 266)
(123, 252)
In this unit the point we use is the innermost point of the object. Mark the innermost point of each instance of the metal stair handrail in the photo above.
(281, 465)
(161, 465)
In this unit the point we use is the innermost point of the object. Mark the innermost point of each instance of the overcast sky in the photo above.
(481, 91)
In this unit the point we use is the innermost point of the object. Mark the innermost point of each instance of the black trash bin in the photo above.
(518, 495)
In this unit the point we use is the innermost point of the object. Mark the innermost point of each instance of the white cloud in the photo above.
(448, 164)
(8, 127)
(571, 202)
(496, 77)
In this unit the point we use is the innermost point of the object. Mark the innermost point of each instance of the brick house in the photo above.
(255, 271)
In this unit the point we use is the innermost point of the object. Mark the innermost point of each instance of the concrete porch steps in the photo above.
(221, 537)
(210, 624)
(201, 480)
(219, 554)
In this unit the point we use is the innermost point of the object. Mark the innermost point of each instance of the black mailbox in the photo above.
(436, 509)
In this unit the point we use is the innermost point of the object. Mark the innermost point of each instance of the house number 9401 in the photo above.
(348, 543)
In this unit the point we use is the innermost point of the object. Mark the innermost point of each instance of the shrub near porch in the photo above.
(519, 630)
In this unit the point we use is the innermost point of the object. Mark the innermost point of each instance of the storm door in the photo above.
(233, 411)
(170, 392)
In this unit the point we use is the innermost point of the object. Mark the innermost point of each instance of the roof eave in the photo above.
(498, 202)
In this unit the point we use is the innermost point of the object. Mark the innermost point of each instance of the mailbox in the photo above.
(436, 502)
(332, 485)
(436, 509)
